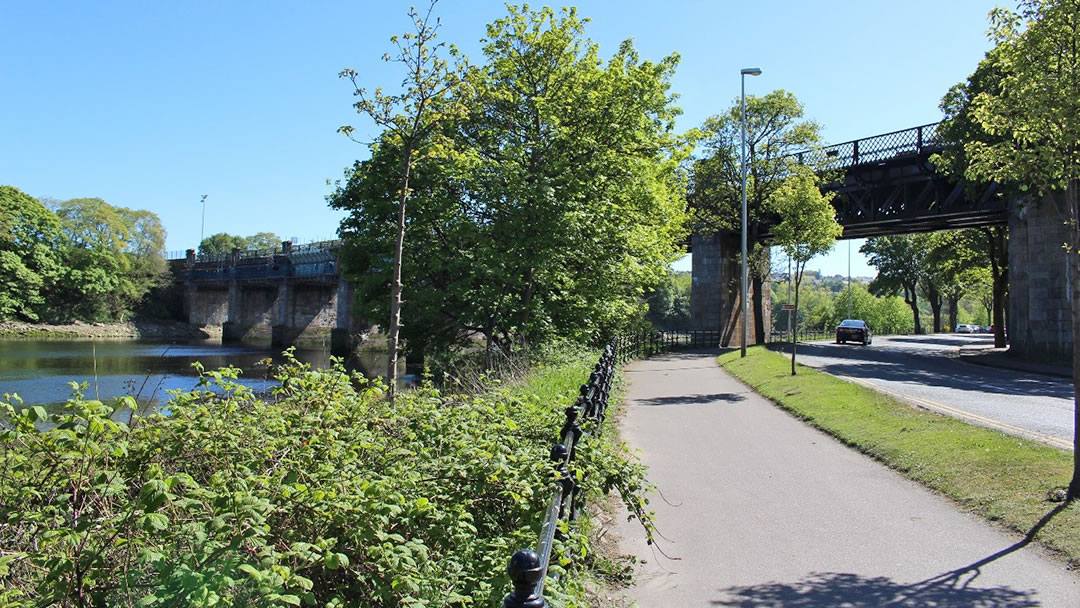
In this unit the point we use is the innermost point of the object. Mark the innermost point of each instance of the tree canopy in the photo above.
(1033, 118)
(901, 265)
(560, 202)
(87, 260)
(807, 227)
(220, 245)
(775, 129)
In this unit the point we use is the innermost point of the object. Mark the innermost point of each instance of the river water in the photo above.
(40, 371)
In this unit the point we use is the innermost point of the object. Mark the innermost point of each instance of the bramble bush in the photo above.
(320, 494)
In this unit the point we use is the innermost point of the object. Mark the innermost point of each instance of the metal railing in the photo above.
(803, 335)
(916, 141)
(649, 343)
(529, 569)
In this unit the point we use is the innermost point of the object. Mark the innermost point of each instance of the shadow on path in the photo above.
(854, 591)
(691, 399)
(950, 589)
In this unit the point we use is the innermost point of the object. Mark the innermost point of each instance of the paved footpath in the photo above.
(759, 509)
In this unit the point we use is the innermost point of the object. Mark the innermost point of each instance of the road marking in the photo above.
(982, 420)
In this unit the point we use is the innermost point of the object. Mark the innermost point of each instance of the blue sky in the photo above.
(152, 104)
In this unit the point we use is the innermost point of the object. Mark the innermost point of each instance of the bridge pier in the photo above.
(343, 335)
(314, 314)
(714, 292)
(206, 305)
(1039, 306)
(252, 308)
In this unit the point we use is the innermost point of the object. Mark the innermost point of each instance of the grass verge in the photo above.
(1002, 478)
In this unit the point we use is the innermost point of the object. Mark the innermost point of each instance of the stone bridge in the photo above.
(295, 296)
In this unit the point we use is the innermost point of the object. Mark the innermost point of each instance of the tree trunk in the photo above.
(954, 301)
(934, 296)
(999, 271)
(796, 313)
(395, 283)
(913, 301)
(526, 304)
(759, 310)
(1074, 267)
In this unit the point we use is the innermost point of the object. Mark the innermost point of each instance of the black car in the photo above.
(853, 330)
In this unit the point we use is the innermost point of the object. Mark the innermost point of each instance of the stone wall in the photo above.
(1039, 317)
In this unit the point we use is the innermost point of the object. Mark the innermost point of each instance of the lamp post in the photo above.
(849, 278)
(202, 226)
(745, 329)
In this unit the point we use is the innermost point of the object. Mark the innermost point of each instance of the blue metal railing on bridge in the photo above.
(312, 260)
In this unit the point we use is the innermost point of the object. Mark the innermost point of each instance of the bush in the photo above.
(318, 494)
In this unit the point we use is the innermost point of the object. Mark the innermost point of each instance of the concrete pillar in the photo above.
(714, 293)
(1039, 308)
(280, 332)
(233, 330)
(711, 276)
(341, 336)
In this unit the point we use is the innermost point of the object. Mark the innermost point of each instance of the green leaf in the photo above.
(251, 571)
(39, 413)
(153, 522)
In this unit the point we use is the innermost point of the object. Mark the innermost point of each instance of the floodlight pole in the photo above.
(202, 226)
(745, 327)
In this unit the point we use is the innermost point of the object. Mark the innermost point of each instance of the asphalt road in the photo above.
(925, 371)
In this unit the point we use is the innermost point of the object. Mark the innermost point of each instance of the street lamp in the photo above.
(743, 73)
(202, 226)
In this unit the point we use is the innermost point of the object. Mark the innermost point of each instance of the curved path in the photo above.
(759, 509)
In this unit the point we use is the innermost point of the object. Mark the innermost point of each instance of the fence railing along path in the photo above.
(528, 568)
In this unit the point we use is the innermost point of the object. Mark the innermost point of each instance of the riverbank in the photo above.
(93, 331)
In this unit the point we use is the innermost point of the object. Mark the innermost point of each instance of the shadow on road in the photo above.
(868, 364)
(843, 589)
(691, 399)
(951, 589)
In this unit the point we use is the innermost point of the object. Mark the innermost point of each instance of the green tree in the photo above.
(263, 241)
(952, 254)
(114, 257)
(559, 205)
(219, 246)
(775, 129)
(411, 121)
(901, 265)
(966, 137)
(669, 303)
(886, 314)
(1036, 116)
(31, 268)
(807, 228)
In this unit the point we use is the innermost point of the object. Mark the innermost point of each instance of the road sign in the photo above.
(789, 307)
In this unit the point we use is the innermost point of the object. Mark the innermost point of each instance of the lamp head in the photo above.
(751, 71)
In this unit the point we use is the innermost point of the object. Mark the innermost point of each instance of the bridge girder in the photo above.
(907, 195)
